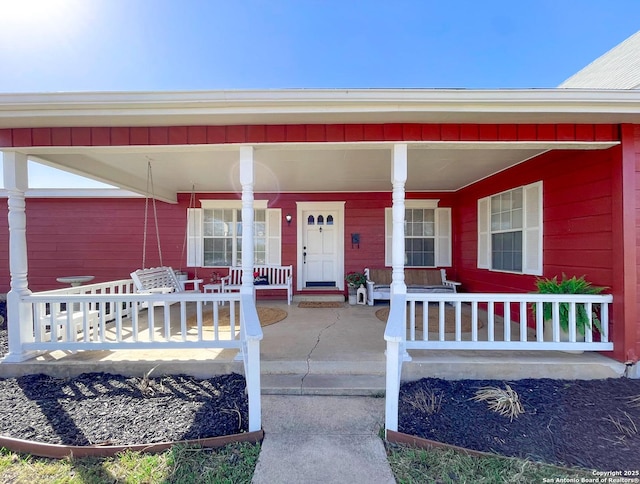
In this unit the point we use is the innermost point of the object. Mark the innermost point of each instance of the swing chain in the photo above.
(146, 217)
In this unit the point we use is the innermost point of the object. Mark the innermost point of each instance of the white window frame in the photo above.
(442, 237)
(532, 235)
(195, 232)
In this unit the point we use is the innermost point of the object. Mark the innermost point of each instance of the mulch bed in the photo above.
(105, 409)
(593, 424)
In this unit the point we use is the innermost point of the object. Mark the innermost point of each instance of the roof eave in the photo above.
(297, 106)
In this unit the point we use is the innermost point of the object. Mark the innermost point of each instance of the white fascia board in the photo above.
(75, 193)
(303, 106)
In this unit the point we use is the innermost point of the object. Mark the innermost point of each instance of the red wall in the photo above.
(578, 234)
(104, 237)
(100, 237)
(577, 190)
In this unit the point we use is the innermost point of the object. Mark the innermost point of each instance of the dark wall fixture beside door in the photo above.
(355, 240)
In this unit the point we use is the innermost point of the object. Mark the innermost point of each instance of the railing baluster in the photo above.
(506, 319)
(101, 323)
(588, 331)
(474, 321)
(412, 320)
(441, 314)
(86, 330)
(151, 317)
(539, 322)
(458, 306)
(523, 321)
(425, 320)
(604, 322)
(215, 322)
(491, 320)
(200, 319)
(135, 323)
(555, 309)
(183, 320)
(118, 311)
(572, 322)
(232, 319)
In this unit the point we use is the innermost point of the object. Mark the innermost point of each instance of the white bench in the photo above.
(417, 281)
(60, 319)
(161, 280)
(277, 277)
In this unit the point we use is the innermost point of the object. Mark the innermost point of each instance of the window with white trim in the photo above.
(214, 235)
(510, 230)
(427, 230)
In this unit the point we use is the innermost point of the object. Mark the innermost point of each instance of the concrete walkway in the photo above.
(323, 439)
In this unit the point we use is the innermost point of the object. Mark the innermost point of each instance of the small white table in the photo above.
(75, 281)
(212, 288)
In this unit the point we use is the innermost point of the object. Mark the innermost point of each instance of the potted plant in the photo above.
(573, 285)
(354, 280)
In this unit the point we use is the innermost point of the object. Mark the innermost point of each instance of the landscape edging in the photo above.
(422, 443)
(59, 451)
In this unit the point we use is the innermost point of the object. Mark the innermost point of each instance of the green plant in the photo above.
(355, 279)
(573, 285)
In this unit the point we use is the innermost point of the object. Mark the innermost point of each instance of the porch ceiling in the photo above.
(296, 167)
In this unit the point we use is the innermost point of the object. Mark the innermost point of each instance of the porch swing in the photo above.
(161, 279)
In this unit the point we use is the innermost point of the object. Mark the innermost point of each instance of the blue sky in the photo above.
(130, 45)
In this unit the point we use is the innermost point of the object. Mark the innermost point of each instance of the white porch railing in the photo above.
(497, 322)
(107, 317)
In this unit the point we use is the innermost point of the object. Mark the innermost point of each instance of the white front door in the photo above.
(320, 226)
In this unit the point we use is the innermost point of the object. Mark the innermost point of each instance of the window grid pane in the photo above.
(222, 236)
(506, 231)
(419, 237)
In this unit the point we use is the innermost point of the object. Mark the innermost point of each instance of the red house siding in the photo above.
(182, 135)
(101, 237)
(579, 235)
(591, 209)
(104, 237)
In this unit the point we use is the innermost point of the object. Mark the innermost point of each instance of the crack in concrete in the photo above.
(314, 347)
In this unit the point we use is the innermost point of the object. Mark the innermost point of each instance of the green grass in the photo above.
(410, 465)
(233, 463)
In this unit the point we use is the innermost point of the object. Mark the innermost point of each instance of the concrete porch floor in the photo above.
(326, 351)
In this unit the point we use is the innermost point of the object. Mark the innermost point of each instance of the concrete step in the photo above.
(511, 365)
(328, 384)
(363, 376)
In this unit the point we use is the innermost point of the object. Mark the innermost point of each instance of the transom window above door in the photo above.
(319, 219)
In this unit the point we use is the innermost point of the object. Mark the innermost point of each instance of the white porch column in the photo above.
(246, 180)
(19, 316)
(398, 180)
